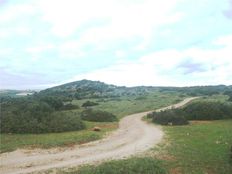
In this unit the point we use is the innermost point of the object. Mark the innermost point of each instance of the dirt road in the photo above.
(132, 137)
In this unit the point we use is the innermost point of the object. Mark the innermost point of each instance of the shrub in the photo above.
(89, 103)
(173, 117)
(209, 110)
(36, 116)
(194, 111)
(62, 122)
(70, 106)
(54, 102)
(98, 115)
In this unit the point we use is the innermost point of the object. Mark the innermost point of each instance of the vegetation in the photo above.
(97, 115)
(126, 105)
(169, 117)
(199, 90)
(199, 148)
(10, 142)
(200, 110)
(29, 115)
(70, 106)
(134, 165)
(208, 111)
(89, 104)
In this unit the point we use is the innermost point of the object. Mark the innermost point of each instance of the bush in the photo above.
(36, 116)
(208, 111)
(98, 115)
(89, 103)
(127, 166)
(70, 106)
(54, 102)
(172, 117)
(63, 122)
(194, 111)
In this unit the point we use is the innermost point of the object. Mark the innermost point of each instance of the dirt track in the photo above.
(132, 137)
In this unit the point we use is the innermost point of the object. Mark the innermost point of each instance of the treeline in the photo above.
(199, 90)
(204, 110)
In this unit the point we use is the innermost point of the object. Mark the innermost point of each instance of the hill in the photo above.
(95, 89)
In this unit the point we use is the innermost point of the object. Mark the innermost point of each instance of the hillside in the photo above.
(95, 89)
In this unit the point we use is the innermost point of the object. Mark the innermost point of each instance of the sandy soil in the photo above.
(132, 137)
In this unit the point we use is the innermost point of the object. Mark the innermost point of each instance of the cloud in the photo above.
(188, 67)
(228, 12)
(142, 42)
(122, 18)
(191, 67)
(40, 48)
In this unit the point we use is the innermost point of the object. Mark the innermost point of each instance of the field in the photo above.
(120, 107)
(128, 105)
(202, 147)
(10, 142)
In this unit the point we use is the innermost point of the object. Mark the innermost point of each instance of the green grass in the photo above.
(134, 165)
(213, 98)
(10, 142)
(129, 105)
(199, 148)
(118, 106)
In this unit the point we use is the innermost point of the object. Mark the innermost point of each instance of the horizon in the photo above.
(176, 43)
(31, 89)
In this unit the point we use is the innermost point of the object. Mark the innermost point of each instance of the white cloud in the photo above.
(120, 54)
(125, 18)
(14, 12)
(71, 50)
(164, 68)
(40, 48)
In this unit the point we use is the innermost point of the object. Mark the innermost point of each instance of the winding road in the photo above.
(132, 137)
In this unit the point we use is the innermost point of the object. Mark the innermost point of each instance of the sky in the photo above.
(44, 43)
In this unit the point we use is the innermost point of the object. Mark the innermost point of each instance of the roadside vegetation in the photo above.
(200, 110)
(133, 165)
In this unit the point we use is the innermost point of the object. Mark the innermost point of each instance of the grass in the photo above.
(199, 148)
(10, 142)
(213, 98)
(133, 165)
(118, 106)
(129, 105)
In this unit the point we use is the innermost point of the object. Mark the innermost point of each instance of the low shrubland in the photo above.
(201, 110)
(98, 115)
(37, 116)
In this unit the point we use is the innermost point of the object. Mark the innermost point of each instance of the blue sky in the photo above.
(123, 42)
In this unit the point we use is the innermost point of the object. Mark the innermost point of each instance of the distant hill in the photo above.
(94, 89)
(15, 93)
